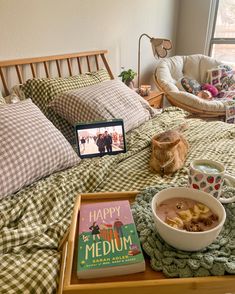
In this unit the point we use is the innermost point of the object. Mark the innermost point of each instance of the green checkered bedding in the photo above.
(43, 91)
(33, 221)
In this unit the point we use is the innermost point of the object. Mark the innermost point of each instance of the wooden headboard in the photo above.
(85, 62)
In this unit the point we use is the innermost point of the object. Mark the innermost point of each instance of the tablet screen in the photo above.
(100, 138)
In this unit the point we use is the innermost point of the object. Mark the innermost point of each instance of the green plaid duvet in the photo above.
(33, 221)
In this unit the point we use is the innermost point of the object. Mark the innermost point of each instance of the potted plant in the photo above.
(128, 77)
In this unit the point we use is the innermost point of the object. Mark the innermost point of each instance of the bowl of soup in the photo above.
(187, 219)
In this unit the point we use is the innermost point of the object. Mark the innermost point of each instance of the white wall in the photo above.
(192, 27)
(30, 28)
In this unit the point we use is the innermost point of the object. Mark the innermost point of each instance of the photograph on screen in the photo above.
(100, 140)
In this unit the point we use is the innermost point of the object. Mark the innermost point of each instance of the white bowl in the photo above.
(184, 240)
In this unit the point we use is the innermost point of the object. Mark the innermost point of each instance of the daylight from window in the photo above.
(223, 48)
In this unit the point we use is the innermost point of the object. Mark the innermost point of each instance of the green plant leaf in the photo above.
(127, 75)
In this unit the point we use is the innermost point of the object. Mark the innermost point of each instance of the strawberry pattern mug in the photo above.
(208, 176)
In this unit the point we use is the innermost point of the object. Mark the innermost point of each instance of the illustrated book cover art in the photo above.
(108, 243)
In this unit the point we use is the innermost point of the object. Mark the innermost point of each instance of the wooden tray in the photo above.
(148, 282)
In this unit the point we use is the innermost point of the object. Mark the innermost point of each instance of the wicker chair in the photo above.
(170, 70)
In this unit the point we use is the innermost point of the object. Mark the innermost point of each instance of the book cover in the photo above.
(108, 239)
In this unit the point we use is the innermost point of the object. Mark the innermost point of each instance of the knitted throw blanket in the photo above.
(216, 259)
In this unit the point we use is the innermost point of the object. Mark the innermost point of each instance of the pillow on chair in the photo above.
(189, 85)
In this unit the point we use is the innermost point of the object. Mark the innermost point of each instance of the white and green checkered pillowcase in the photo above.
(31, 147)
(43, 91)
(107, 100)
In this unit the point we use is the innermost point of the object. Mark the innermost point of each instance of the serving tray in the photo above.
(147, 282)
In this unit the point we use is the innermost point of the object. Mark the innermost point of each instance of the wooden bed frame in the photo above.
(148, 281)
(86, 62)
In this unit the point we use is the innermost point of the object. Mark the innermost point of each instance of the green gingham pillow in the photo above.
(107, 100)
(31, 147)
(43, 91)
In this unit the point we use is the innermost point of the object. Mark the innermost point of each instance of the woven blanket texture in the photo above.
(215, 260)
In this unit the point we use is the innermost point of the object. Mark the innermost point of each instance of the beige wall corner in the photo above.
(193, 25)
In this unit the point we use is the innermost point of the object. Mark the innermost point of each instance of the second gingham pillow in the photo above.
(30, 147)
(107, 100)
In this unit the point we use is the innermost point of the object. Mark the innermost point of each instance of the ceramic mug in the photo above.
(208, 176)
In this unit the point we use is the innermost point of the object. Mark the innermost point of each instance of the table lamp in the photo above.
(160, 48)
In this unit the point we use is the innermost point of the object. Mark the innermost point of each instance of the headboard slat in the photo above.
(33, 70)
(69, 67)
(88, 63)
(58, 68)
(107, 66)
(97, 62)
(4, 82)
(46, 69)
(19, 74)
(91, 58)
(79, 65)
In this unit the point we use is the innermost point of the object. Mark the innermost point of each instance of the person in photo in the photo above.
(100, 143)
(83, 142)
(108, 141)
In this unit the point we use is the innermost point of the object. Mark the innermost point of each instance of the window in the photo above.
(222, 43)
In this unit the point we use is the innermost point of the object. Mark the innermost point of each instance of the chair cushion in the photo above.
(197, 103)
(170, 70)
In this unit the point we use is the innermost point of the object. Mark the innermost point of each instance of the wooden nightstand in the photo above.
(155, 99)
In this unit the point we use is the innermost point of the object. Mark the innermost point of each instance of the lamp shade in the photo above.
(160, 47)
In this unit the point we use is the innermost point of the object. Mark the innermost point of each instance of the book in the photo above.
(108, 243)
